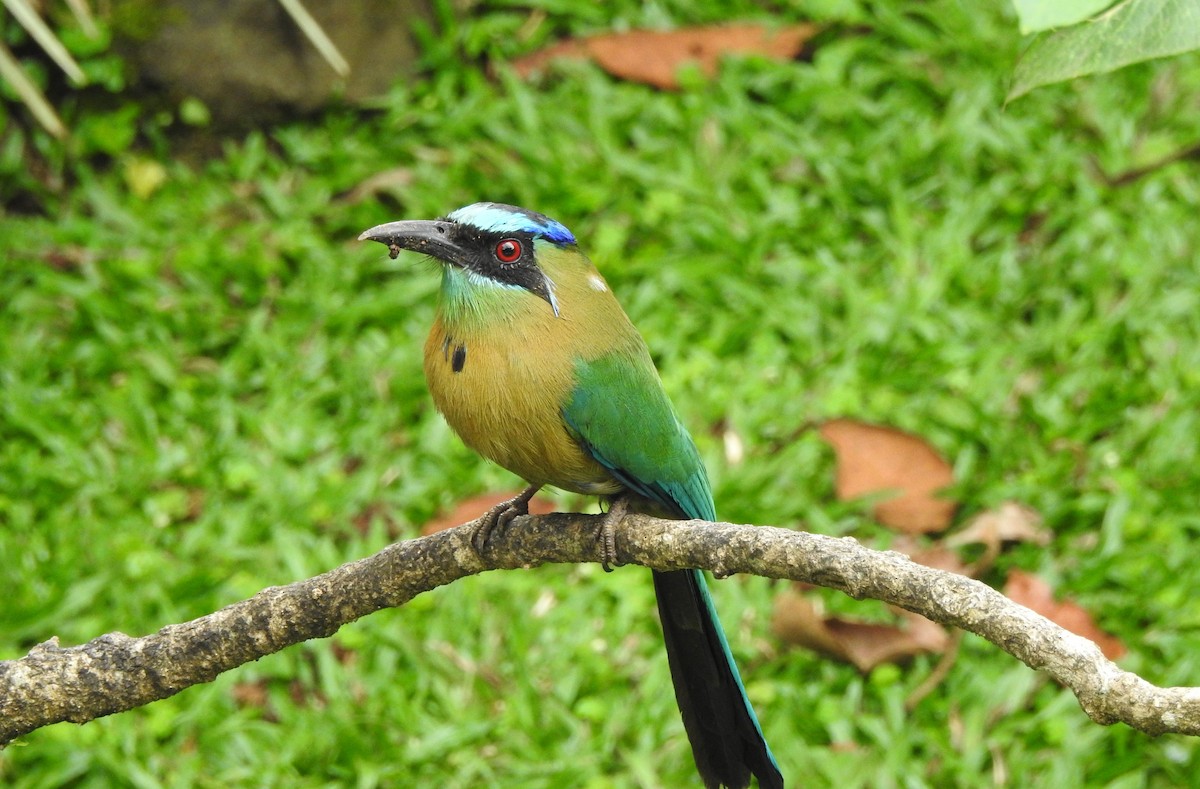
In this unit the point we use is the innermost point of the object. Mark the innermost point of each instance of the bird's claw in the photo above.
(606, 533)
(498, 517)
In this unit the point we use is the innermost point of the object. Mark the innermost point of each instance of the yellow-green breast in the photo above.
(501, 366)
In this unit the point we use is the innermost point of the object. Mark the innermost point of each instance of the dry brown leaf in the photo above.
(935, 555)
(472, 508)
(939, 558)
(65, 258)
(654, 57)
(304, 695)
(874, 459)
(1010, 522)
(343, 654)
(795, 620)
(863, 644)
(250, 694)
(845, 746)
(376, 509)
(1034, 593)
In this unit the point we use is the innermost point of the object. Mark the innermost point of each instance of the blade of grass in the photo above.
(83, 15)
(14, 75)
(316, 34)
(46, 39)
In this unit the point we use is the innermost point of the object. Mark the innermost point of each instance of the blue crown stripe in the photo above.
(501, 218)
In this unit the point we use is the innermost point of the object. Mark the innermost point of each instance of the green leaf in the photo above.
(1038, 15)
(194, 112)
(1131, 32)
(108, 132)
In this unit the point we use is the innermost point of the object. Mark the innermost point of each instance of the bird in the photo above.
(535, 365)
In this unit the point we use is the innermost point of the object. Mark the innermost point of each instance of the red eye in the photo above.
(508, 250)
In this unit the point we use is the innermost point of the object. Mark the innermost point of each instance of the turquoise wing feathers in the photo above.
(620, 414)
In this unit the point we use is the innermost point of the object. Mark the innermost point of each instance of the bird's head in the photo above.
(492, 242)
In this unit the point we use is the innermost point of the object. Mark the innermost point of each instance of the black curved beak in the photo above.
(428, 236)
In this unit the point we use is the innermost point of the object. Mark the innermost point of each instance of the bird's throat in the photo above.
(472, 303)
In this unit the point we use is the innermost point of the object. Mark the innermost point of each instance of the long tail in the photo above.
(727, 741)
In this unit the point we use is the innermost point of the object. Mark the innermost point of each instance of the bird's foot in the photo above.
(500, 516)
(606, 534)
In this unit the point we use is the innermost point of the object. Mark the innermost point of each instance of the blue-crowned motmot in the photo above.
(535, 365)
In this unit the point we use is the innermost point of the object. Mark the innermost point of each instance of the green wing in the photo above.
(620, 414)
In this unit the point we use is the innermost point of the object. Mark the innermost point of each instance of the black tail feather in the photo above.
(727, 742)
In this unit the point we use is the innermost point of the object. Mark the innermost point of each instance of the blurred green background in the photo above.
(208, 387)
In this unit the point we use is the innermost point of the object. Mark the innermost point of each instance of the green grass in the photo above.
(217, 389)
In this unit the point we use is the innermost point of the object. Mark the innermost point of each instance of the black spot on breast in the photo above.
(460, 358)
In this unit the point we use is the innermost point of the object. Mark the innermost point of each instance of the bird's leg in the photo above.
(606, 534)
(500, 516)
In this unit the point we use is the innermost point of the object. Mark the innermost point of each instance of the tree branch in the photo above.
(115, 672)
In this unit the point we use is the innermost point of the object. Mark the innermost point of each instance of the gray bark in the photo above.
(116, 672)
